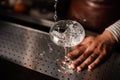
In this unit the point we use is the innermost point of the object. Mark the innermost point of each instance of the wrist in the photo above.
(107, 35)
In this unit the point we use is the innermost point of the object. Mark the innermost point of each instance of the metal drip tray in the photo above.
(33, 49)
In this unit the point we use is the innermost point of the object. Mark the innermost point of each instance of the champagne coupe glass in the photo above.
(66, 33)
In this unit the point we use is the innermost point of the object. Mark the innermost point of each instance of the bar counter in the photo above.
(29, 54)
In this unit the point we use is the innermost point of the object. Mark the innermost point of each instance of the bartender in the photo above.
(103, 17)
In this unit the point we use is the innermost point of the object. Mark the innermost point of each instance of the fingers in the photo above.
(81, 58)
(88, 61)
(96, 62)
(77, 52)
(91, 62)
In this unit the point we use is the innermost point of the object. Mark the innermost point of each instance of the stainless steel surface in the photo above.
(33, 49)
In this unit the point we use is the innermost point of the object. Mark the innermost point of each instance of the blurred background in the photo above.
(32, 10)
(32, 13)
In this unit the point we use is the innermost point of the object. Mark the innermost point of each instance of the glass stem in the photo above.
(66, 52)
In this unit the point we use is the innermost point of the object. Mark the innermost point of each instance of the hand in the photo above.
(91, 51)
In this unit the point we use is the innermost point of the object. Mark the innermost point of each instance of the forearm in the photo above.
(115, 30)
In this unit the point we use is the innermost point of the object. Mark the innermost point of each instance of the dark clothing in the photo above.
(95, 15)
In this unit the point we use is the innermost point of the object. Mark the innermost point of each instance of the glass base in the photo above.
(64, 66)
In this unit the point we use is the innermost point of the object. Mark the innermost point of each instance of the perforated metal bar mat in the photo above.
(33, 49)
